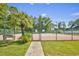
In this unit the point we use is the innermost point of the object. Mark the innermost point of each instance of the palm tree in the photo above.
(48, 25)
(4, 15)
(76, 22)
(62, 26)
(25, 21)
(13, 20)
(71, 24)
(42, 23)
(35, 22)
(20, 20)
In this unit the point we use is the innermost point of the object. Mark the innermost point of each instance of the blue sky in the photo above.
(56, 11)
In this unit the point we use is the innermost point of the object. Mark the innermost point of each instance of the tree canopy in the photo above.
(12, 18)
(43, 24)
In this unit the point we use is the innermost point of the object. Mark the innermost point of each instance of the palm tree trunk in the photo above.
(4, 31)
(14, 32)
(22, 30)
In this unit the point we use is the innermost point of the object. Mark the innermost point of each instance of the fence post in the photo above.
(56, 34)
(56, 30)
(40, 36)
(72, 34)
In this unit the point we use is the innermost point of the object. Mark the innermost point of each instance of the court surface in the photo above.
(50, 36)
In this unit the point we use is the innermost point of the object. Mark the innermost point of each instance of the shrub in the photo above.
(26, 37)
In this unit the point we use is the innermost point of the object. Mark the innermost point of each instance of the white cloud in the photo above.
(75, 14)
(43, 14)
(31, 3)
(47, 3)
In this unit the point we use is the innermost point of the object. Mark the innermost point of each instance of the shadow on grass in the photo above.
(59, 40)
(9, 42)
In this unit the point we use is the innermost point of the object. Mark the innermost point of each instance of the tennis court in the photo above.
(50, 36)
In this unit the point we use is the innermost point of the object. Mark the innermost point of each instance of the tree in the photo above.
(76, 22)
(43, 23)
(13, 20)
(35, 22)
(3, 16)
(25, 21)
(73, 23)
(48, 25)
(62, 26)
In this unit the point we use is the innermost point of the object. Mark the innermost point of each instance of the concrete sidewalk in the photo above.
(35, 49)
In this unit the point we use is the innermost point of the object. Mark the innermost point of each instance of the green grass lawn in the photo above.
(13, 48)
(61, 48)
